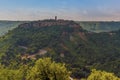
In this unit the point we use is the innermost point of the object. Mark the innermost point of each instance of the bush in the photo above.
(46, 69)
(102, 75)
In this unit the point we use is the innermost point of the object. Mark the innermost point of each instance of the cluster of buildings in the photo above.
(50, 22)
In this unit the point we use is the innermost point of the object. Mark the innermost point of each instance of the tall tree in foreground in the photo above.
(46, 69)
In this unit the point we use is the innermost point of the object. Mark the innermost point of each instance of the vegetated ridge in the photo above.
(64, 41)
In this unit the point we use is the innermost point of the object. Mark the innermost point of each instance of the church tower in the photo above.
(55, 18)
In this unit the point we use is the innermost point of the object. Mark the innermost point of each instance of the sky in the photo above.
(79, 10)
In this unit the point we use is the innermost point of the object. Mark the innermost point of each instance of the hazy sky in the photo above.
(82, 10)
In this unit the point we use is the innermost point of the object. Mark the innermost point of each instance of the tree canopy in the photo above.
(102, 75)
(43, 69)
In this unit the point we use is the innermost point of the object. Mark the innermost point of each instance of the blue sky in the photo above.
(82, 10)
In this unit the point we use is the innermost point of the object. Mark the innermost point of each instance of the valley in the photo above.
(64, 41)
(100, 26)
(59, 40)
(5, 26)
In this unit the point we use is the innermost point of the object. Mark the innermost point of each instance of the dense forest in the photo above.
(64, 42)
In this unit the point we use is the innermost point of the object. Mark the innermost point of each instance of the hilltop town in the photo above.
(50, 22)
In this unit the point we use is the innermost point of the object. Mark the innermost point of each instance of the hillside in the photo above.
(64, 41)
(99, 26)
(5, 26)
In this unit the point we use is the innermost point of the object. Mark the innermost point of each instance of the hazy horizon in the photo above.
(78, 10)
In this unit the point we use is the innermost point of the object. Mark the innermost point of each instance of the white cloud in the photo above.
(62, 13)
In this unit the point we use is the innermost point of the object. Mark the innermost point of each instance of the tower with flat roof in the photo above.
(55, 18)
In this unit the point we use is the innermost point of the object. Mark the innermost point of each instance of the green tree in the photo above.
(102, 75)
(9, 74)
(46, 69)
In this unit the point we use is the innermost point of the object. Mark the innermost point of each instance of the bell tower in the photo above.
(55, 18)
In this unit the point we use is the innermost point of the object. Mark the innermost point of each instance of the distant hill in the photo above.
(90, 26)
(100, 26)
(8, 25)
(64, 41)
